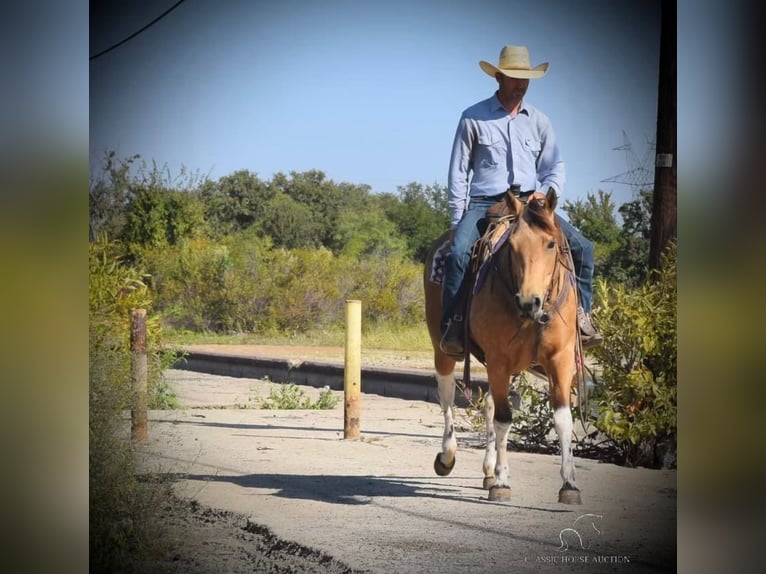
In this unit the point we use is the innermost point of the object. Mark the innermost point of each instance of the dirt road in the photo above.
(291, 495)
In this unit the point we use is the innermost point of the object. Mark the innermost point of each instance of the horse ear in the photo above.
(513, 203)
(551, 199)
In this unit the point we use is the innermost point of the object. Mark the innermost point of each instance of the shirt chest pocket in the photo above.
(531, 146)
(490, 150)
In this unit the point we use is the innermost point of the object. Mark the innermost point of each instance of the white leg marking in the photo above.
(501, 444)
(562, 421)
(446, 399)
(490, 454)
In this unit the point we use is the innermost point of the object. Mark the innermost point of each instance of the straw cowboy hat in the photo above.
(514, 63)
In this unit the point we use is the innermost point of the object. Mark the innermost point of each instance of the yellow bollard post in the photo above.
(352, 373)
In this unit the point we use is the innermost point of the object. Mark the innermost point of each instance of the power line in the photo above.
(640, 174)
(134, 34)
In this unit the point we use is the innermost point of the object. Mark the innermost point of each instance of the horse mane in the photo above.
(536, 215)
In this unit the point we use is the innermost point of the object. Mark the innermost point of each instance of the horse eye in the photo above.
(551, 244)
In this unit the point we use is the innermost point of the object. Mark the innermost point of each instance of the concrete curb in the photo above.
(398, 383)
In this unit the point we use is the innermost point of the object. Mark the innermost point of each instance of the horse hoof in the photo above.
(489, 482)
(569, 496)
(441, 468)
(500, 493)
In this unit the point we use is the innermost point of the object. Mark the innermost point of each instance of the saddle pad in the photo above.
(483, 250)
(437, 267)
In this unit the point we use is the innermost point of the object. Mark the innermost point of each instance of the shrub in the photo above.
(113, 290)
(291, 397)
(120, 507)
(306, 289)
(532, 417)
(636, 390)
(532, 420)
(243, 284)
(390, 288)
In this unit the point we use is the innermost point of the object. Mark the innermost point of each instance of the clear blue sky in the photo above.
(366, 91)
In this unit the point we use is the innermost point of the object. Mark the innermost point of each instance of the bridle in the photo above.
(563, 262)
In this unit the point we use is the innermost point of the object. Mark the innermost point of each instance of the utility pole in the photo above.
(664, 225)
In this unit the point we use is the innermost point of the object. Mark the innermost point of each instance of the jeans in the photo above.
(470, 228)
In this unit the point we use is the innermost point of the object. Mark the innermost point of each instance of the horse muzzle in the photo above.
(530, 306)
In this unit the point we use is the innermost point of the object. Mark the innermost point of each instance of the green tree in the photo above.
(146, 219)
(235, 202)
(620, 253)
(108, 197)
(143, 206)
(291, 224)
(420, 214)
(321, 197)
(367, 232)
(595, 218)
(630, 261)
(157, 216)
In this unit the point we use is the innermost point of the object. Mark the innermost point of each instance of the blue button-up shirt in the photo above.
(500, 150)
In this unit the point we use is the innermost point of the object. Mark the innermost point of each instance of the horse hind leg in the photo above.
(445, 460)
(490, 454)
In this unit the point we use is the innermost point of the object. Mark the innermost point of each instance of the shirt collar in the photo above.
(495, 105)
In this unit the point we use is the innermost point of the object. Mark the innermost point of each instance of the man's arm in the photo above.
(550, 165)
(459, 166)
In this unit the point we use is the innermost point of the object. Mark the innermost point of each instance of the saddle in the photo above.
(498, 227)
(499, 220)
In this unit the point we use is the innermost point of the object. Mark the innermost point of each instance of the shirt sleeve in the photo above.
(550, 165)
(459, 167)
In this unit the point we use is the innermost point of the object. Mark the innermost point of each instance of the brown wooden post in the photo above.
(664, 226)
(139, 371)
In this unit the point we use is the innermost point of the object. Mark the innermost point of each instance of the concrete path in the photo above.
(376, 503)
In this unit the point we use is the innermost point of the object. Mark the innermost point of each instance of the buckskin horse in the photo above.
(522, 314)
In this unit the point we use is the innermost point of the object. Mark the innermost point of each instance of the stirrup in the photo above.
(451, 342)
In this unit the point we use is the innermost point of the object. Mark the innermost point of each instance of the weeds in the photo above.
(291, 397)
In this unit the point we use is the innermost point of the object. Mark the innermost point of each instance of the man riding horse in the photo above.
(504, 141)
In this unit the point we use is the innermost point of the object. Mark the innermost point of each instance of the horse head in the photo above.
(534, 244)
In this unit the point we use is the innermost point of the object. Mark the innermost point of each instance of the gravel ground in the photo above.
(206, 541)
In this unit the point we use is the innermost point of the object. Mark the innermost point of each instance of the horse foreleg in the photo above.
(501, 423)
(445, 460)
(490, 454)
(562, 421)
